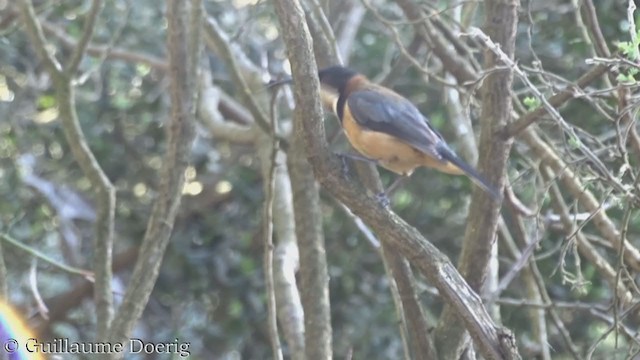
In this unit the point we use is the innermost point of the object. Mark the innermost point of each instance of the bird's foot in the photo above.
(345, 165)
(358, 157)
(383, 199)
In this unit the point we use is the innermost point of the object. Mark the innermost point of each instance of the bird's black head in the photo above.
(336, 77)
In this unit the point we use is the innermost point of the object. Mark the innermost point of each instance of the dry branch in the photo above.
(493, 342)
(183, 31)
(105, 191)
(500, 25)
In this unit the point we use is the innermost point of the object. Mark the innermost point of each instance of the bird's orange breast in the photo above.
(389, 151)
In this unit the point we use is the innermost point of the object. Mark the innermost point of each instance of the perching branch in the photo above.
(493, 342)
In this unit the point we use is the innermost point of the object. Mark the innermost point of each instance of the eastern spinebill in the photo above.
(387, 128)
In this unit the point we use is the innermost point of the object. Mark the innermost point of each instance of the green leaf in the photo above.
(575, 142)
(46, 102)
(626, 78)
(142, 69)
(531, 102)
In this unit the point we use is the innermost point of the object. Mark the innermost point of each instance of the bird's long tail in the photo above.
(465, 168)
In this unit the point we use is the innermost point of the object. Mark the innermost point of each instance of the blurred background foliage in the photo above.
(211, 288)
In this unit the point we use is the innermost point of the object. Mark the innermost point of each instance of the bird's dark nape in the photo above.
(336, 76)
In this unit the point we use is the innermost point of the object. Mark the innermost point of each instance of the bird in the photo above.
(387, 128)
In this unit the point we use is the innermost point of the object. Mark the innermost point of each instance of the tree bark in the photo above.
(500, 25)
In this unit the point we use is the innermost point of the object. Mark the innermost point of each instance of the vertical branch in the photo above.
(390, 261)
(493, 342)
(411, 312)
(65, 96)
(4, 292)
(87, 33)
(34, 30)
(536, 315)
(347, 34)
(412, 322)
(594, 30)
(183, 91)
(313, 261)
(267, 223)
(286, 262)
(306, 200)
(500, 25)
(590, 17)
(285, 255)
(324, 40)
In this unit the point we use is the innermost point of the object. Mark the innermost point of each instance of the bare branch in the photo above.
(493, 342)
(554, 101)
(306, 200)
(87, 33)
(347, 35)
(536, 315)
(215, 35)
(601, 220)
(103, 241)
(590, 17)
(313, 261)
(4, 292)
(267, 224)
(585, 248)
(33, 285)
(37, 38)
(500, 24)
(413, 323)
(37, 254)
(324, 40)
(180, 138)
(210, 115)
(411, 313)
(99, 50)
(456, 65)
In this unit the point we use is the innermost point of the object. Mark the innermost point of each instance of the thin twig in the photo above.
(87, 33)
(555, 101)
(320, 17)
(105, 191)
(33, 285)
(4, 286)
(181, 133)
(267, 228)
(596, 162)
(104, 50)
(37, 38)
(37, 254)
(628, 210)
(215, 33)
